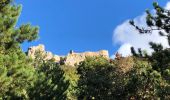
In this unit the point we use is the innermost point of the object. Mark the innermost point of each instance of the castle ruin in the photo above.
(71, 59)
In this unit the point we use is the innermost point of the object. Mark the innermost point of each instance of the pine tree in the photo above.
(160, 21)
(160, 58)
(17, 74)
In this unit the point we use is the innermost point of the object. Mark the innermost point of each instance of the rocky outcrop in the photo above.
(33, 50)
(40, 51)
(71, 59)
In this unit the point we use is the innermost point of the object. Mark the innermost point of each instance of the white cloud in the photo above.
(126, 36)
(125, 49)
(167, 6)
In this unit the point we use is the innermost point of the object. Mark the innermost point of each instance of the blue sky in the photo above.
(79, 25)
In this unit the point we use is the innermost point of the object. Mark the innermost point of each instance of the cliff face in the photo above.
(71, 59)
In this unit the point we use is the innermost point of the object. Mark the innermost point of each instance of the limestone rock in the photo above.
(33, 50)
(56, 58)
(40, 50)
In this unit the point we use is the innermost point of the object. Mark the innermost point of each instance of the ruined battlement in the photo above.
(74, 58)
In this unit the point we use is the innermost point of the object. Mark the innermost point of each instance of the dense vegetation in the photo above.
(141, 76)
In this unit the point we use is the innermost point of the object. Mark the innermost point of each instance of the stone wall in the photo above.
(75, 58)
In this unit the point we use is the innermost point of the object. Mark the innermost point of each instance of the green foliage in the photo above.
(96, 79)
(17, 74)
(100, 80)
(10, 36)
(50, 80)
(50, 84)
(144, 82)
(73, 77)
(4, 82)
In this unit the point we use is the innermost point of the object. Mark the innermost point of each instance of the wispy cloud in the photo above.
(126, 36)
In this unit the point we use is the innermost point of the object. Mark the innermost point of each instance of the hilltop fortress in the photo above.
(71, 59)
